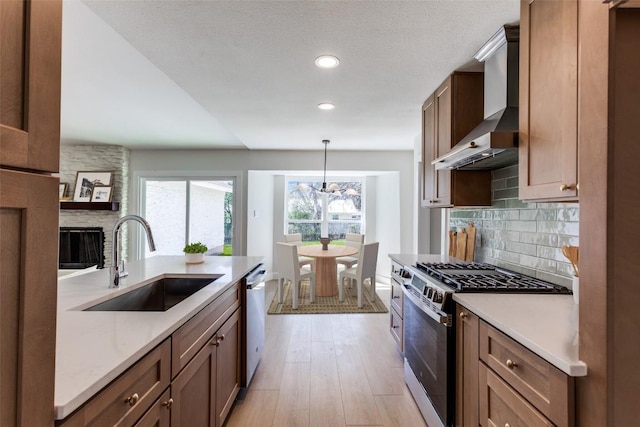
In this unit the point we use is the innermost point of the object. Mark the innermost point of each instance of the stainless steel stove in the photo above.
(429, 329)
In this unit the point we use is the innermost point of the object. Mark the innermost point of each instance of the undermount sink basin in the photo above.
(159, 295)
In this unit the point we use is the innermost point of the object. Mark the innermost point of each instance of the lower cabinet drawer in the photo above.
(129, 396)
(547, 388)
(500, 405)
(397, 329)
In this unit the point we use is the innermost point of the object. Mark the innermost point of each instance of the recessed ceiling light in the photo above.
(327, 61)
(326, 106)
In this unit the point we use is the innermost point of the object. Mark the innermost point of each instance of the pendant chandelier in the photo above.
(332, 188)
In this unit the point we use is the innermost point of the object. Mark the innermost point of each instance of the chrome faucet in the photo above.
(116, 271)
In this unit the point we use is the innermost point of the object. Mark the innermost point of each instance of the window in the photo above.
(316, 214)
(182, 211)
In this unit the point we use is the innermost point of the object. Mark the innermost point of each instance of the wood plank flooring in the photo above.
(328, 370)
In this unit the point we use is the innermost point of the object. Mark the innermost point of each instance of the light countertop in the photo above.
(95, 347)
(545, 324)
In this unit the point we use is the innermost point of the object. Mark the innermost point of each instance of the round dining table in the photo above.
(325, 266)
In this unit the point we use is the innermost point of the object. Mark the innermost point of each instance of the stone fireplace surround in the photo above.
(75, 158)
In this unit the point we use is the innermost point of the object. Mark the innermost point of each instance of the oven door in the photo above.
(430, 352)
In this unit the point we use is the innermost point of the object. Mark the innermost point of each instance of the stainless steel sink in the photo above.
(159, 295)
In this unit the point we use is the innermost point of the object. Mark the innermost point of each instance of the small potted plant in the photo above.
(194, 252)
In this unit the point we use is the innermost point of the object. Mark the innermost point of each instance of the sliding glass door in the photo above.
(186, 210)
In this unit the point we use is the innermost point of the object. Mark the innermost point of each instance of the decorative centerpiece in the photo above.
(194, 253)
(325, 243)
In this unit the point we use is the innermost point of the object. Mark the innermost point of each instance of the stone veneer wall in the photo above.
(74, 158)
(524, 237)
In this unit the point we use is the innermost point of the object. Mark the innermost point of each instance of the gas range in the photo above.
(480, 277)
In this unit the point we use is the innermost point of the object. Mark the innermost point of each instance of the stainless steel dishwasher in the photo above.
(255, 319)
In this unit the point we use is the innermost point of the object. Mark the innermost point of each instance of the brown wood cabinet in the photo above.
(548, 389)
(159, 415)
(448, 115)
(500, 382)
(467, 356)
(548, 111)
(192, 379)
(205, 390)
(130, 395)
(30, 42)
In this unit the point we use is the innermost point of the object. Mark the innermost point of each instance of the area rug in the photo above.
(324, 305)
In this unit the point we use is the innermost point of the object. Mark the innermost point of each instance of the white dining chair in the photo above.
(365, 269)
(296, 239)
(286, 258)
(353, 240)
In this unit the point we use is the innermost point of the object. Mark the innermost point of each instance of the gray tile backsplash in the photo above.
(521, 236)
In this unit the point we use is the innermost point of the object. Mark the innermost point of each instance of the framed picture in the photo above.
(101, 193)
(62, 190)
(85, 181)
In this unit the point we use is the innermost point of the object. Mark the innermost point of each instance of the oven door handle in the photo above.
(439, 316)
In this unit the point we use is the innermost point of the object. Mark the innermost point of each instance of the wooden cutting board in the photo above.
(471, 242)
(461, 244)
(452, 243)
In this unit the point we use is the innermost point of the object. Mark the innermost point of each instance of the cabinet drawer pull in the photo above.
(565, 187)
(168, 403)
(133, 399)
(511, 364)
(463, 315)
(507, 425)
(395, 326)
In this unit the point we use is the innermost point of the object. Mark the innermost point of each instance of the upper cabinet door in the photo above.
(443, 101)
(548, 100)
(30, 40)
(428, 152)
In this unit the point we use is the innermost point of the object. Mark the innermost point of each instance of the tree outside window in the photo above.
(309, 211)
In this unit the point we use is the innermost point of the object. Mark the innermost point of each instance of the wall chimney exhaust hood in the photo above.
(494, 142)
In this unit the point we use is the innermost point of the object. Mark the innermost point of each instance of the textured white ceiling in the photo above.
(242, 74)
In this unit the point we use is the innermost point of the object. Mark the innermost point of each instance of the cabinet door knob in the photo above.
(168, 403)
(133, 399)
(511, 364)
(565, 187)
(215, 341)
(507, 425)
(221, 337)
(396, 297)
(462, 315)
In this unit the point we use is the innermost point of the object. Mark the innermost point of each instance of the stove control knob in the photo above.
(437, 297)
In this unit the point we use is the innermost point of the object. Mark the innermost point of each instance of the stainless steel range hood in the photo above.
(494, 142)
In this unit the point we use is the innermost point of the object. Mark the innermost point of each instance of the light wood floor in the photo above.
(328, 370)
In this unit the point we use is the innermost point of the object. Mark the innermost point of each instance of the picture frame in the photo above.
(101, 193)
(86, 180)
(62, 190)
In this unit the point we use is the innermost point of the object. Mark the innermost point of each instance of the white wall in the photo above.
(260, 215)
(238, 163)
(387, 209)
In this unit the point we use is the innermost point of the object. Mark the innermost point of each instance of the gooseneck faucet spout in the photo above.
(116, 271)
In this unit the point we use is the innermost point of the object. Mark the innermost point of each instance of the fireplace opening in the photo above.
(81, 247)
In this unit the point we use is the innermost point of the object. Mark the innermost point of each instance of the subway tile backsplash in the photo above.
(521, 236)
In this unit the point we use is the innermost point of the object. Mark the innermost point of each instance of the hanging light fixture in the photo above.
(324, 188)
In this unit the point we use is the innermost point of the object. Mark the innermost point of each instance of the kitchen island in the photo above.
(95, 347)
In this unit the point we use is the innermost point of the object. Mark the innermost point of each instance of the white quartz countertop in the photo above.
(545, 324)
(95, 347)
